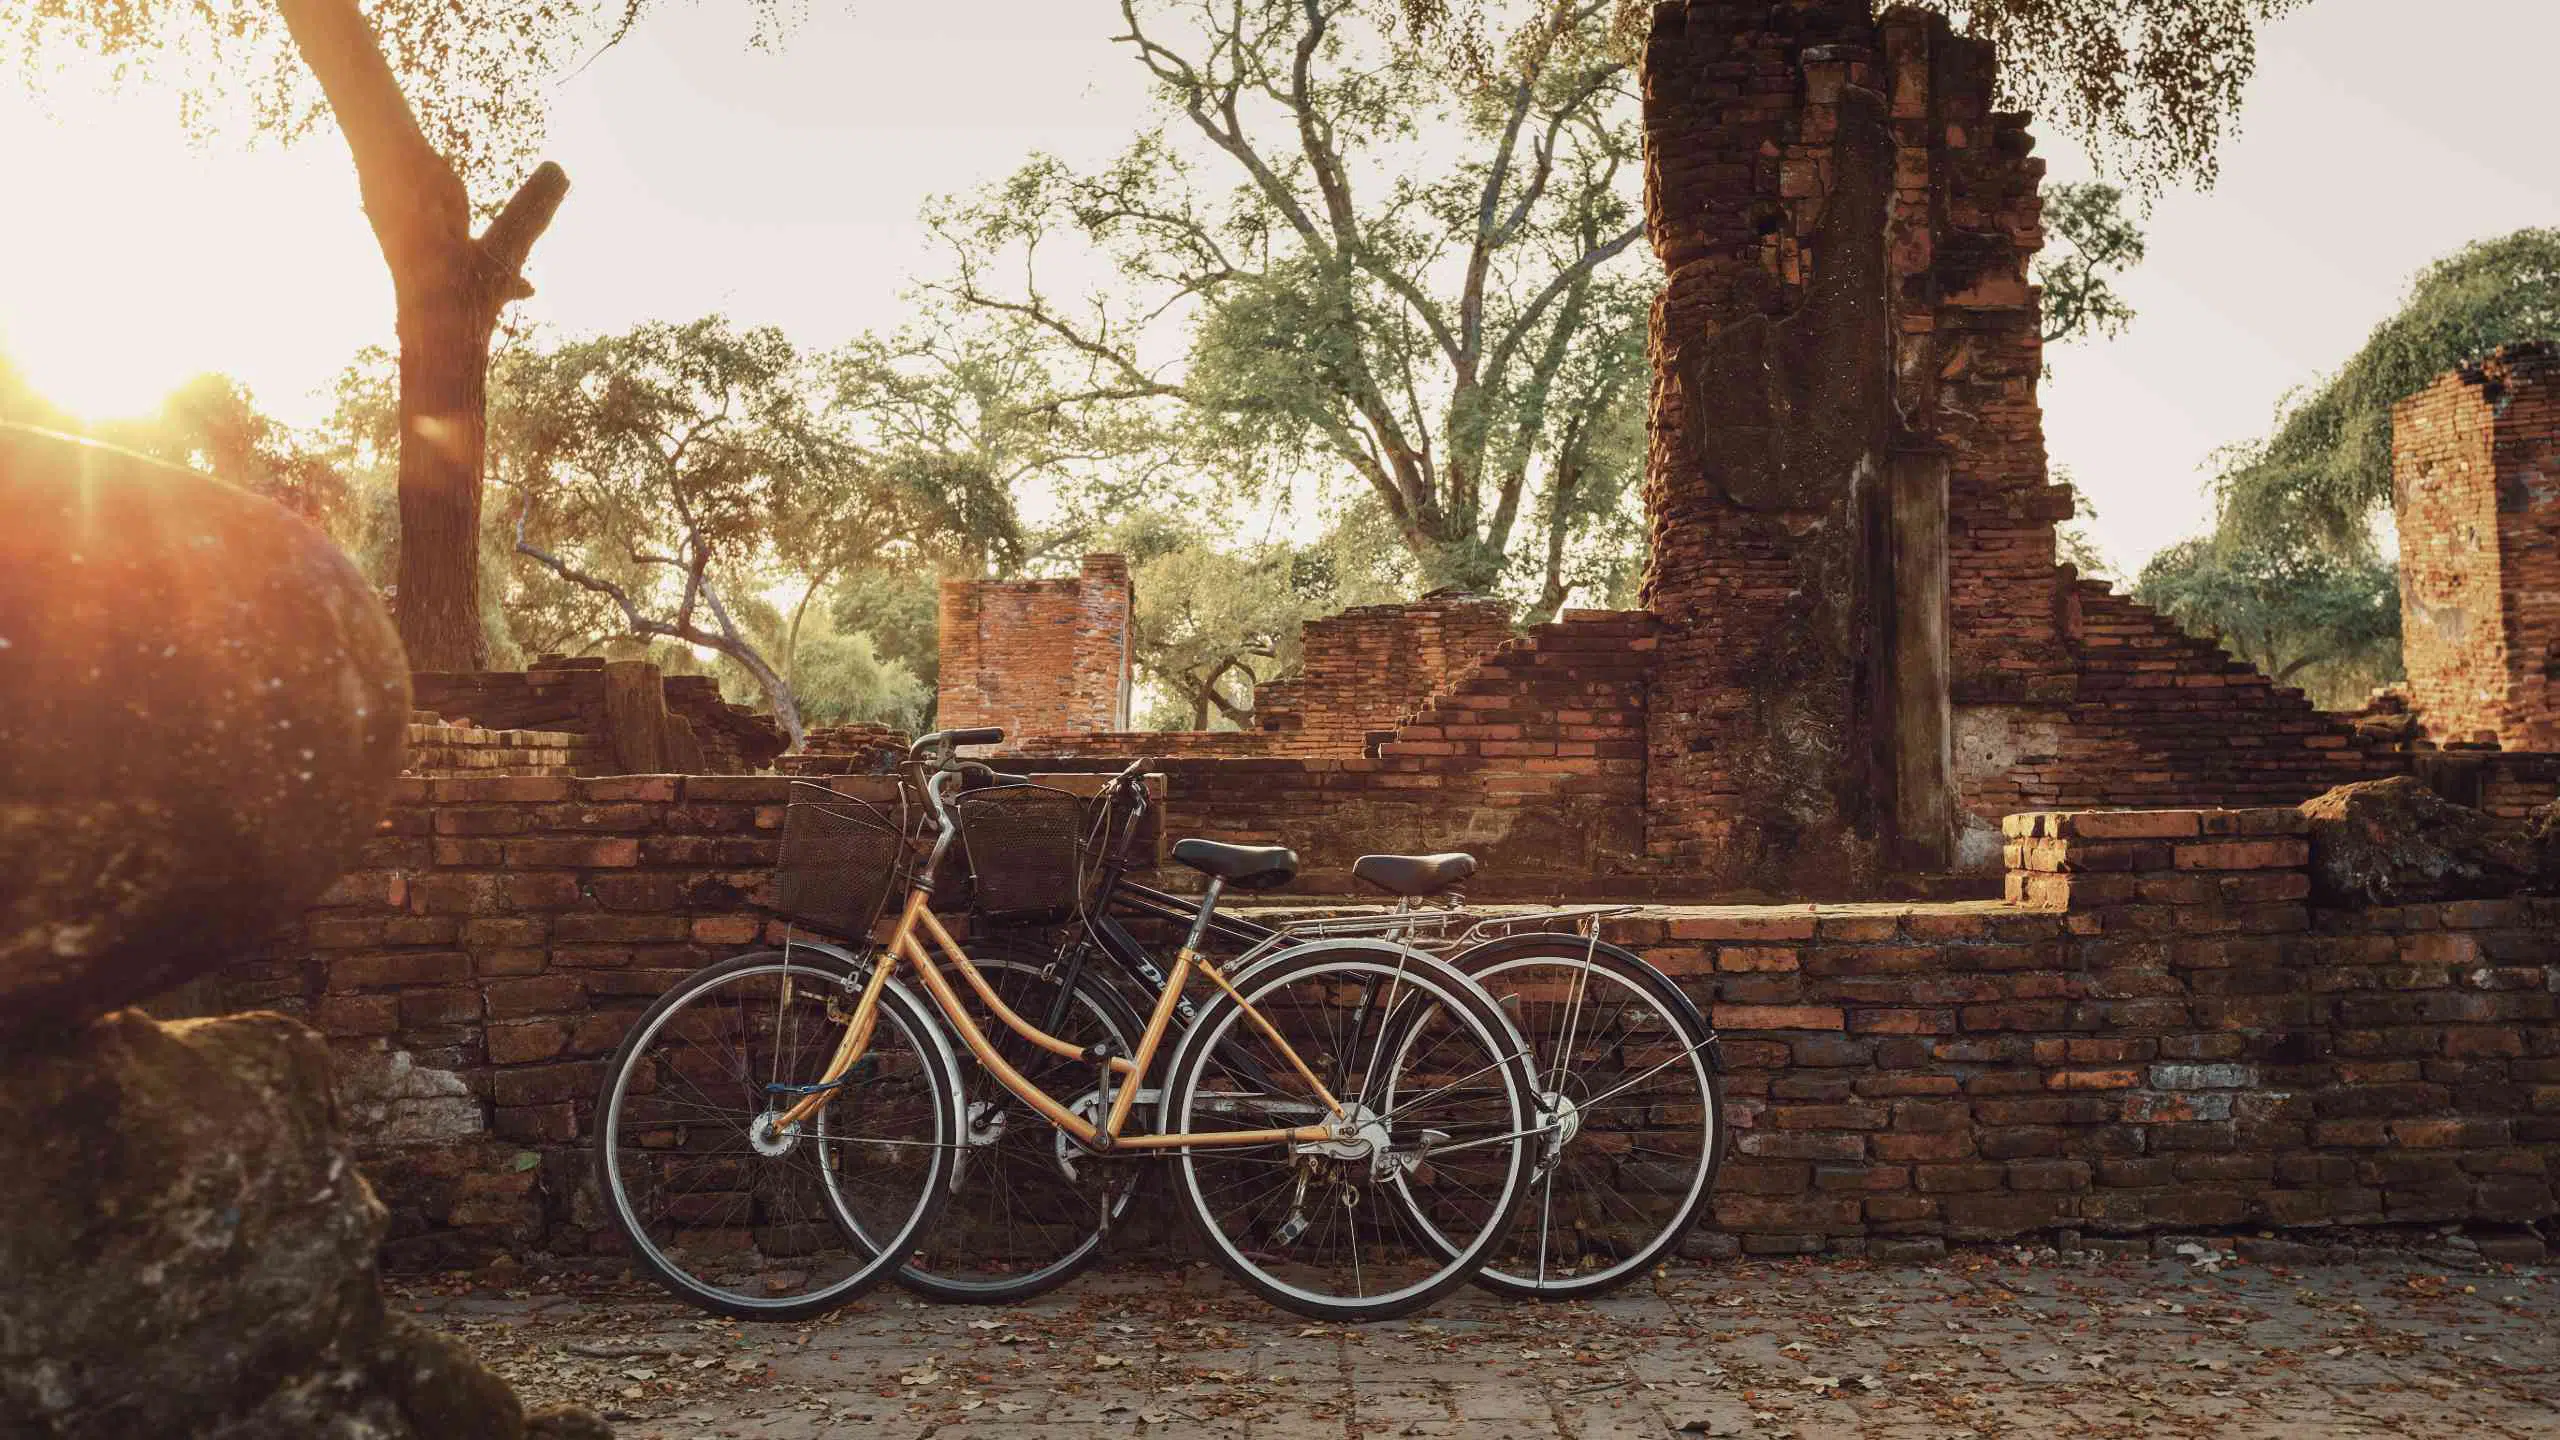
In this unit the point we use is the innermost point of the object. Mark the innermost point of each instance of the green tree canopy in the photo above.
(2326, 471)
(2092, 241)
(668, 469)
(2305, 614)
(1332, 261)
(2148, 87)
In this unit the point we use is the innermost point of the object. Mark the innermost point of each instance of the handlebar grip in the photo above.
(975, 735)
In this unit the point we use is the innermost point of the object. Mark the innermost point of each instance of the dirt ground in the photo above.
(1984, 1343)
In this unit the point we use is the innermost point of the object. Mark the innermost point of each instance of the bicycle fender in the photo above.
(925, 1006)
(1240, 980)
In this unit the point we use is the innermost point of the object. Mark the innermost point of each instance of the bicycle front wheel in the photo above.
(1635, 1118)
(726, 1209)
(1424, 1164)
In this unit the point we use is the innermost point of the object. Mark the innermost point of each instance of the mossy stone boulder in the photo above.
(201, 712)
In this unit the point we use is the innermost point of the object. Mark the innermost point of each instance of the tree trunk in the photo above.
(444, 374)
(449, 287)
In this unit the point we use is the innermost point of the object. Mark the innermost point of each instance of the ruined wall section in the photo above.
(1364, 669)
(2155, 1031)
(1038, 657)
(1533, 760)
(2476, 487)
(1847, 226)
(588, 698)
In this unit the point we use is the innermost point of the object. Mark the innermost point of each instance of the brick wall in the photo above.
(1364, 669)
(2148, 715)
(436, 748)
(1533, 760)
(1796, 366)
(2155, 1030)
(566, 695)
(1846, 226)
(2476, 487)
(1038, 657)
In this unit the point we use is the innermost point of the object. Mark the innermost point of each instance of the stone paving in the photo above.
(1987, 1343)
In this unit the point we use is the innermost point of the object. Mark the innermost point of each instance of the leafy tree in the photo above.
(2326, 471)
(2147, 86)
(435, 100)
(1214, 619)
(2098, 241)
(2303, 613)
(898, 607)
(213, 424)
(672, 464)
(1306, 274)
(965, 414)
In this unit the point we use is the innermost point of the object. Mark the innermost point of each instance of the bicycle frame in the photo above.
(917, 923)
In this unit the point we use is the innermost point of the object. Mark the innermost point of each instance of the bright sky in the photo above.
(785, 189)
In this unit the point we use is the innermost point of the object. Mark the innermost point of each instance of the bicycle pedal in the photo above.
(1289, 1231)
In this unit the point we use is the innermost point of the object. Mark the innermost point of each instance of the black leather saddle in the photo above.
(1411, 875)
(1246, 867)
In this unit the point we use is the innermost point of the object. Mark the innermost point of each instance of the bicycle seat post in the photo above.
(1200, 922)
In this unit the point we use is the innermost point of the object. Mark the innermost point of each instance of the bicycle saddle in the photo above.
(1246, 867)
(1411, 875)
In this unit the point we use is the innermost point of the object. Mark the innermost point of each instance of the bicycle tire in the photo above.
(782, 1224)
(1617, 1234)
(1021, 1136)
(1496, 1143)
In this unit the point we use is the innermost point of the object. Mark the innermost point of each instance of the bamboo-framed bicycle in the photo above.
(1349, 1123)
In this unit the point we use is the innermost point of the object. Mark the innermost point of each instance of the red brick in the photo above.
(1778, 1017)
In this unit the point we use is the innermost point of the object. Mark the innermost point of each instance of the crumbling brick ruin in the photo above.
(1869, 655)
(611, 717)
(2159, 1027)
(1039, 657)
(2476, 485)
(1857, 666)
(1365, 669)
(1858, 653)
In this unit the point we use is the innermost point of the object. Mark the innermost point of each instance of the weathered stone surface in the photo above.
(2396, 842)
(190, 1252)
(201, 711)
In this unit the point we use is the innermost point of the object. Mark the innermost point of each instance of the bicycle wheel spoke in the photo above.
(1633, 1110)
(1026, 1214)
(720, 1204)
(1337, 1228)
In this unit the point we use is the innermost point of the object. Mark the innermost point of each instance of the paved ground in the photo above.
(1979, 1344)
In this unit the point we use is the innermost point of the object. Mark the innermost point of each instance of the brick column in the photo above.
(2476, 489)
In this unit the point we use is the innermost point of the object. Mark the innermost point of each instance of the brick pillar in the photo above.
(1041, 658)
(1106, 603)
(1846, 225)
(961, 701)
(2475, 482)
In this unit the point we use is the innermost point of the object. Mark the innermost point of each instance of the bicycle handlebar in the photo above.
(950, 740)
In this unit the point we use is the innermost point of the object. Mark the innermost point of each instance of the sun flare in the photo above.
(156, 261)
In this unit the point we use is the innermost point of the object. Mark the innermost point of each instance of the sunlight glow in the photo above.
(137, 261)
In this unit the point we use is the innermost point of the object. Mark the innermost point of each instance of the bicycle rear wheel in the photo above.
(1026, 1212)
(1331, 1230)
(1637, 1119)
(735, 1216)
